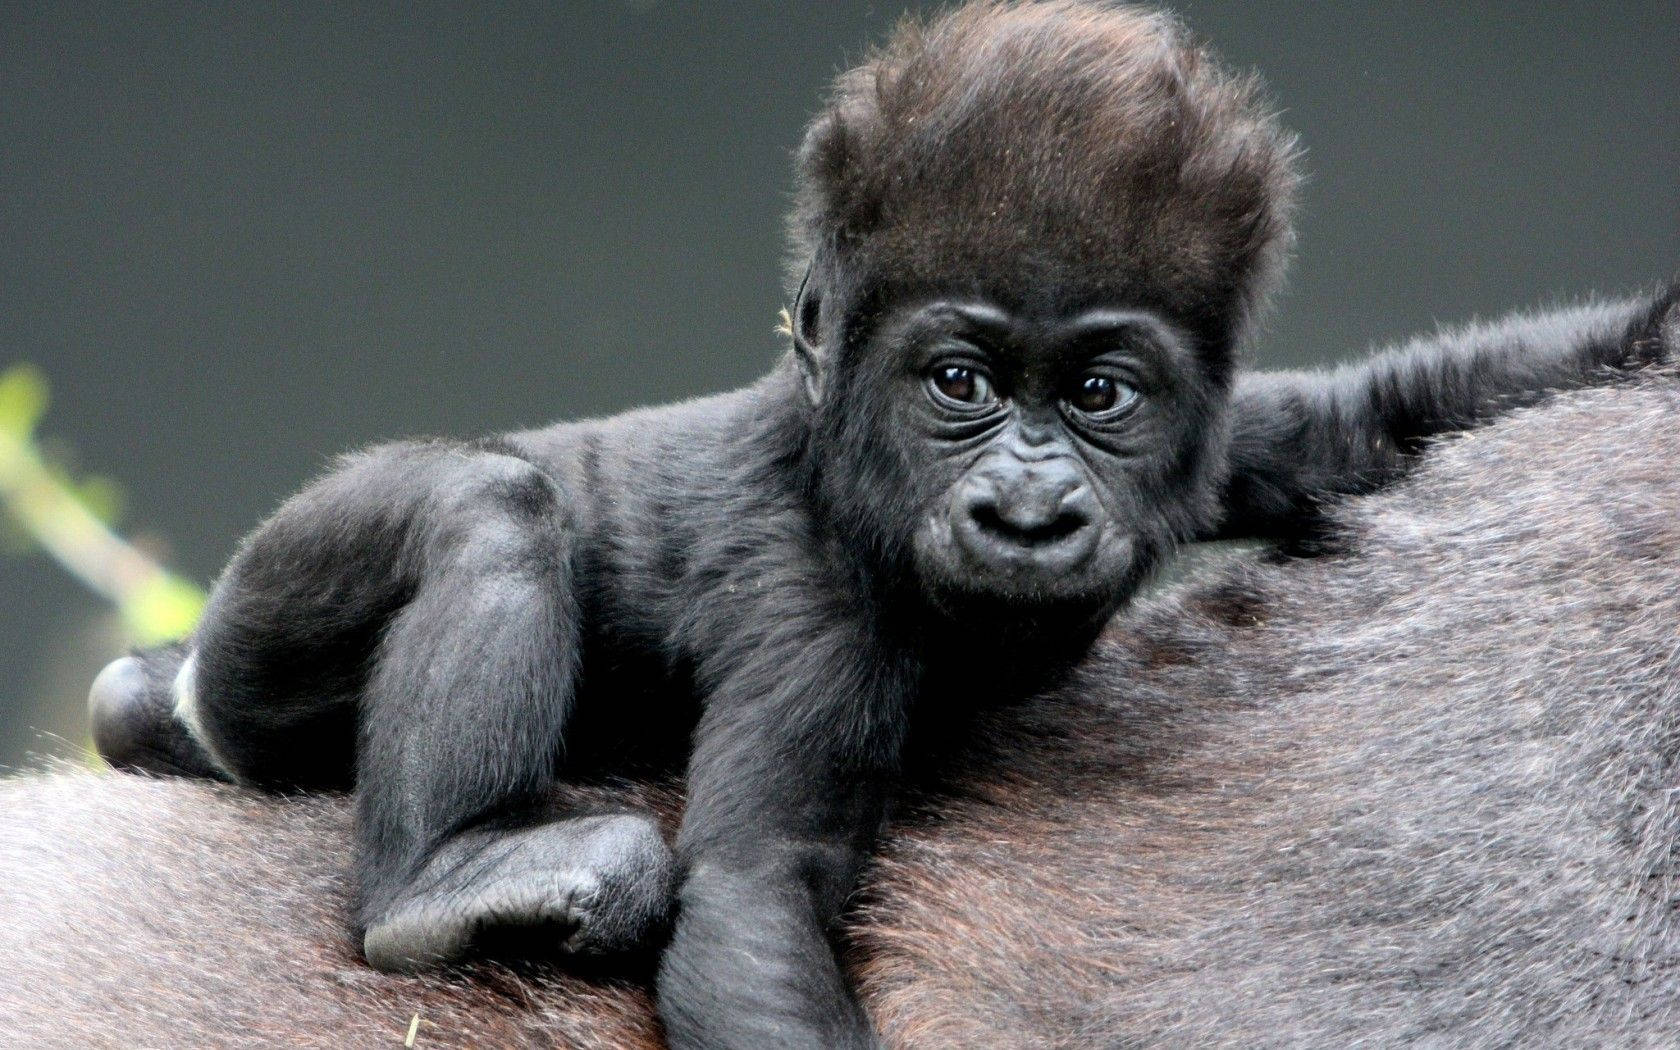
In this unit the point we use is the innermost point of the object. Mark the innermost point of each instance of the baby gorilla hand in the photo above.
(588, 886)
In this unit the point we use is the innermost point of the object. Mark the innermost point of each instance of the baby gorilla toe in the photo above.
(594, 886)
(132, 709)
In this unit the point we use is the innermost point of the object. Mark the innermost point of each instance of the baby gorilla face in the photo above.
(1048, 459)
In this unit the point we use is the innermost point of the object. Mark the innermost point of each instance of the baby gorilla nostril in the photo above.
(1025, 529)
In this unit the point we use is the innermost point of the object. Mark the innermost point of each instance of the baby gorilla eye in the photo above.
(961, 385)
(1096, 394)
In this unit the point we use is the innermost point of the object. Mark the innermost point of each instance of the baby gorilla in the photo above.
(1031, 239)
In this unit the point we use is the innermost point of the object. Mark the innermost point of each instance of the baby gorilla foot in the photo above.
(132, 708)
(588, 886)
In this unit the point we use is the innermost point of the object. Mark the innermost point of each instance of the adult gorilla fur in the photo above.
(1421, 788)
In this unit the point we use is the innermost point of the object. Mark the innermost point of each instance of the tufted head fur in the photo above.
(1060, 148)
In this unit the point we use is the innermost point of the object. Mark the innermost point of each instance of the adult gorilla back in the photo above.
(1419, 788)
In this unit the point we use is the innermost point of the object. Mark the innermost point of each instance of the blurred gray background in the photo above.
(241, 241)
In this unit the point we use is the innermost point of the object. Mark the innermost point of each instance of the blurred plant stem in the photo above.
(61, 517)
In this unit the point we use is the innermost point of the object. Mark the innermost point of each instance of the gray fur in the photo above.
(1419, 793)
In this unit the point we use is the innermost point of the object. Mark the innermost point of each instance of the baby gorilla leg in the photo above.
(408, 625)
(461, 718)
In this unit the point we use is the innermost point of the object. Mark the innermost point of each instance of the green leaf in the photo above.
(163, 610)
(102, 497)
(23, 399)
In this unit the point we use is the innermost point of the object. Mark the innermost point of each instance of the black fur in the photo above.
(1029, 200)
(1420, 793)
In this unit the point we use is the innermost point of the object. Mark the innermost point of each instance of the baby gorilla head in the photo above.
(1042, 454)
(1036, 235)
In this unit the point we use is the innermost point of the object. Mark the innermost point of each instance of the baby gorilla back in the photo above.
(1418, 789)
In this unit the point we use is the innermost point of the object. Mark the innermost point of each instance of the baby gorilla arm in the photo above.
(792, 764)
(1299, 436)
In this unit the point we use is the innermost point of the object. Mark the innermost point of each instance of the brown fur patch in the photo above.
(1024, 145)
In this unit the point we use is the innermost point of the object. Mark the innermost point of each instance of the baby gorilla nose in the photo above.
(1038, 515)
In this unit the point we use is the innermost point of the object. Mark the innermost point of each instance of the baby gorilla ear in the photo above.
(823, 213)
(807, 339)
